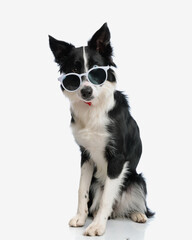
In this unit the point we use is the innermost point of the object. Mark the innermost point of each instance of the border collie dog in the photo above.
(106, 133)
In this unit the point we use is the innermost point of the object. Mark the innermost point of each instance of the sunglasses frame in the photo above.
(63, 76)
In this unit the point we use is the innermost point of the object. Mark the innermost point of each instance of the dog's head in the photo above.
(80, 64)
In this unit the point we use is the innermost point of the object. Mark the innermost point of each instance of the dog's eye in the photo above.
(75, 70)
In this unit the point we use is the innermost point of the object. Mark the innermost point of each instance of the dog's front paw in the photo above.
(95, 229)
(77, 221)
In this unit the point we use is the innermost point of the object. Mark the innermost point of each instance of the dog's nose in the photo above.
(86, 92)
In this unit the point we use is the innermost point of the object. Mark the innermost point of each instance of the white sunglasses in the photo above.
(71, 82)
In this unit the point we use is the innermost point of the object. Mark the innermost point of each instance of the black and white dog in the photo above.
(107, 134)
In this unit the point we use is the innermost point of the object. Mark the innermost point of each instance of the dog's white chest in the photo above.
(91, 139)
(90, 132)
(94, 139)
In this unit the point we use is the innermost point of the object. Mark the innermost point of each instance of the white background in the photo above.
(39, 160)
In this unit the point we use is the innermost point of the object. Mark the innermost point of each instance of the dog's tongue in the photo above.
(89, 103)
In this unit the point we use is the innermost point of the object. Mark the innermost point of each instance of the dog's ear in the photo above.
(100, 42)
(60, 49)
(101, 39)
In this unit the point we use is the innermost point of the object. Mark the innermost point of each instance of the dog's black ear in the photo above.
(100, 42)
(60, 49)
(101, 39)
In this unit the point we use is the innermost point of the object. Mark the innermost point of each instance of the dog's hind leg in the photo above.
(132, 202)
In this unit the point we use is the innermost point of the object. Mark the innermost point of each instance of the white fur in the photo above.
(91, 121)
(90, 130)
(130, 201)
(110, 193)
(85, 60)
(85, 180)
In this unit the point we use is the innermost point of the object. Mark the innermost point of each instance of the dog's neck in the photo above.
(86, 113)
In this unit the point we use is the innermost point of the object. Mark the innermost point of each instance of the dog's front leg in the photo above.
(83, 195)
(111, 188)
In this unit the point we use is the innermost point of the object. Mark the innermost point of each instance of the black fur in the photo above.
(124, 144)
(85, 155)
(125, 135)
(70, 59)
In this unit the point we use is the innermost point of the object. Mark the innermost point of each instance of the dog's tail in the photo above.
(149, 213)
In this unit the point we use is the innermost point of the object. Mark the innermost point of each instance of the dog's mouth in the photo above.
(88, 101)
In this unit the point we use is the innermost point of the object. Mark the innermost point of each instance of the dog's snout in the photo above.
(86, 92)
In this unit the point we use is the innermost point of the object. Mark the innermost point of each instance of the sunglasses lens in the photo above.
(71, 82)
(97, 76)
